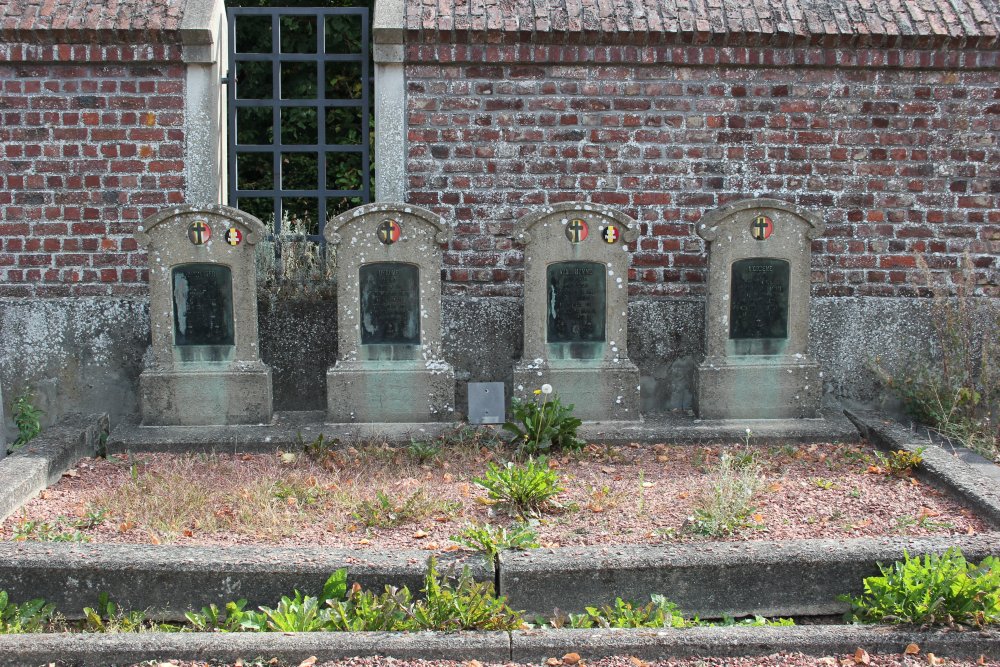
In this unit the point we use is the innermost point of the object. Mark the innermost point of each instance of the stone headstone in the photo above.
(389, 364)
(3, 427)
(576, 310)
(205, 365)
(756, 362)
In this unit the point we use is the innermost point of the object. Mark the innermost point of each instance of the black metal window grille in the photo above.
(299, 114)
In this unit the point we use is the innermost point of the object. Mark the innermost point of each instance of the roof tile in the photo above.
(921, 23)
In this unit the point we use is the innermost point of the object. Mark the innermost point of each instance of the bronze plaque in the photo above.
(390, 303)
(758, 305)
(577, 301)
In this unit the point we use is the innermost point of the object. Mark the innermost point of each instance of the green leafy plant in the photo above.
(319, 448)
(424, 451)
(27, 419)
(211, 619)
(658, 613)
(933, 590)
(955, 385)
(388, 512)
(462, 603)
(491, 540)
(898, 463)
(526, 487)
(43, 531)
(31, 616)
(543, 424)
(724, 507)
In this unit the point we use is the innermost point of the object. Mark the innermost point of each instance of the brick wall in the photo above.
(897, 150)
(884, 118)
(91, 141)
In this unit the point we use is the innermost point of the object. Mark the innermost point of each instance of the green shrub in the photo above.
(526, 487)
(725, 506)
(31, 616)
(933, 590)
(27, 418)
(491, 540)
(543, 424)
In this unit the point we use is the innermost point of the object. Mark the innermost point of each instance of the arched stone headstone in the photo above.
(756, 362)
(205, 364)
(389, 363)
(576, 310)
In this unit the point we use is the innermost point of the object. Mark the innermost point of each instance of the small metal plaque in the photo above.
(577, 300)
(486, 403)
(390, 304)
(577, 230)
(759, 300)
(203, 305)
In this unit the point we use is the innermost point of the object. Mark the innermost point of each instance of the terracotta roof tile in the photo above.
(154, 21)
(913, 23)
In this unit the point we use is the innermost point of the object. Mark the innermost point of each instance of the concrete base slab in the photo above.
(713, 579)
(752, 388)
(169, 580)
(222, 394)
(290, 648)
(599, 391)
(44, 459)
(391, 392)
(536, 646)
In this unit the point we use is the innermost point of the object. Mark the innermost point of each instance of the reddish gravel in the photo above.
(624, 495)
(775, 660)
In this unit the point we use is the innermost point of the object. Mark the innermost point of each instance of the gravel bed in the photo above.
(613, 495)
(774, 660)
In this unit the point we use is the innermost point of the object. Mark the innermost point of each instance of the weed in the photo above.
(424, 451)
(955, 386)
(824, 484)
(491, 540)
(388, 512)
(31, 616)
(854, 493)
(27, 419)
(43, 531)
(725, 506)
(318, 449)
(526, 487)
(539, 426)
(109, 617)
(211, 619)
(297, 492)
(898, 463)
(658, 613)
(933, 590)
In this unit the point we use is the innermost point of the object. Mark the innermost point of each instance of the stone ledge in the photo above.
(43, 460)
(713, 579)
(522, 646)
(169, 580)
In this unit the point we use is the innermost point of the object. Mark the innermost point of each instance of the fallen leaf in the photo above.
(308, 662)
(914, 482)
(430, 546)
(933, 659)
(452, 547)
(662, 458)
(553, 662)
(911, 649)
(153, 539)
(246, 457)
(71, 473)
(775, 486)
(473, 663)
(861, 524)
(364, 540)
(982, 660)
(448, 477)
(571, 658)
(682, 495)
(419, 535)
(442, 519)
(648, 485)
(861, 657)
(45, 495)
(484, 501)
(125, 526)
(351, 527)
(926, 513)
(188, 532)
(637, 662)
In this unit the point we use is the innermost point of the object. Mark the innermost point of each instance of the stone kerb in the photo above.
(390, 366)
(205, 365)
(757, 313)
(576, 309)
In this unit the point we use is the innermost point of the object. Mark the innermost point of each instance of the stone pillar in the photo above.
(3, 427)
(390, 101)
(205, 365)
(576, 310)
(389, 363)
(756, 362)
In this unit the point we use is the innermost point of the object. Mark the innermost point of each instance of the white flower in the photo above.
(546, 389)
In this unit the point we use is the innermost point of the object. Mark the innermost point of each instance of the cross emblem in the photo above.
(610, 234)
(761, 228)
(388, 232)
(199, 232)
(576, 231)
